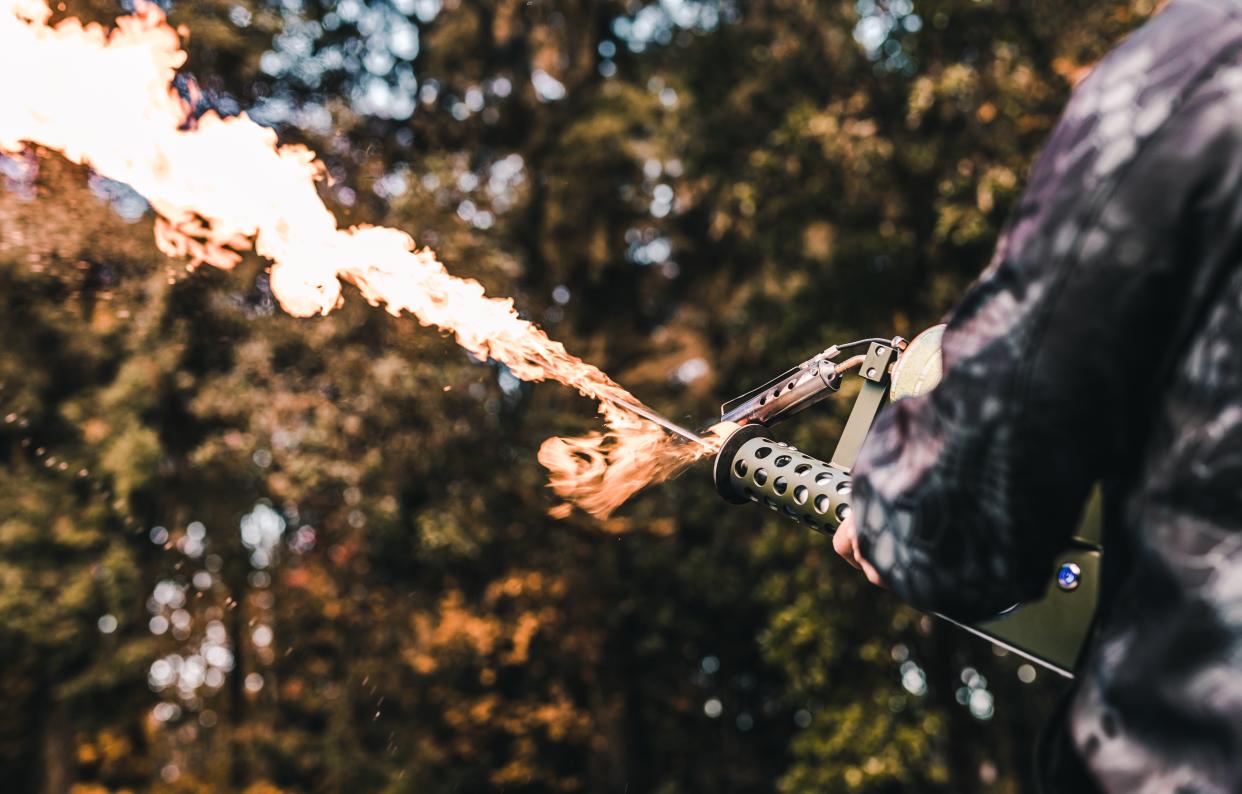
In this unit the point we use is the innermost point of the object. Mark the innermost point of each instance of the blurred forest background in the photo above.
(245, 552)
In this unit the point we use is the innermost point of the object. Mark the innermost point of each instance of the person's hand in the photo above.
(845, 543)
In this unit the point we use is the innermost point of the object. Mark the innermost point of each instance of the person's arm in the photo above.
(963, 497)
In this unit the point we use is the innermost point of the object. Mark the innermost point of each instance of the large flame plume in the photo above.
(221, 186)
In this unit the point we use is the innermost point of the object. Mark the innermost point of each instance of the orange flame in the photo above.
(599, 472)
(223, 185)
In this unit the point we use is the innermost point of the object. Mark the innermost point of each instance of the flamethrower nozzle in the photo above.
(672, 427)
(798, 388)
(787, 394)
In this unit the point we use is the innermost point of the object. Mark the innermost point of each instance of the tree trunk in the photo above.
(56, 746)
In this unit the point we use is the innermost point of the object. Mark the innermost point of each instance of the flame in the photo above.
(221, 186)
(599, 472)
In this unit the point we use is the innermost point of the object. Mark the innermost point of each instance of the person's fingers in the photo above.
(845, 542)
(870, 572)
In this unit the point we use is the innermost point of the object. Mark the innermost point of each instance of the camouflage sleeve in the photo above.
(963, 496)
(959, 500)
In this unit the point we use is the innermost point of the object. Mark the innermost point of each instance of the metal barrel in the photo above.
(751, 466)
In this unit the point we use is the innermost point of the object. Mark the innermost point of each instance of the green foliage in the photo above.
(339, 525)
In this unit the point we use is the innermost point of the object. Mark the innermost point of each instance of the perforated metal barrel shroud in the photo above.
(754, 467)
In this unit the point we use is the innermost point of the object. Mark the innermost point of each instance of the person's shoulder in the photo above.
(1181, 17)
(1177, 44)
(1182, 32)
(1177, 79)
(1140, 84)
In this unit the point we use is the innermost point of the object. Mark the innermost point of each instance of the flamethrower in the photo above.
(752, 466)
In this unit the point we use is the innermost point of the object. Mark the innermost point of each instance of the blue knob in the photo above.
(1069, 576)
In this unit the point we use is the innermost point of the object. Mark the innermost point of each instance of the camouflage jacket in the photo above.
(1102, 344)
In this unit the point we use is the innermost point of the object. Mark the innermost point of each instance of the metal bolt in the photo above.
(1069, 576)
